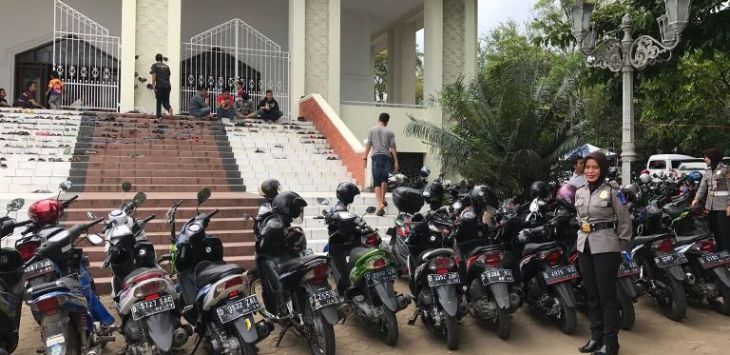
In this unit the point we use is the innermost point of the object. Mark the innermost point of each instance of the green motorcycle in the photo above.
(365, 274)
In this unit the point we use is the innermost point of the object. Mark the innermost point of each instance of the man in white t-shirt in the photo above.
(578, 179)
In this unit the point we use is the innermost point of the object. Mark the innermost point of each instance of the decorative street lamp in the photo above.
(627, 55)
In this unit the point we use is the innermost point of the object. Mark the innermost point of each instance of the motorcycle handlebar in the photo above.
(319, 217)
(69, 201)
(28, 230)
(215, 212)
(151, 217)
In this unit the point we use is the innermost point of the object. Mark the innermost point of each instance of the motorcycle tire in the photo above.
(627, 313)
(389, 327)
(452, 332)
(502, 324)
(321, 329)
(568, 321)
(722, 307)
(676, 308)
(74, 341)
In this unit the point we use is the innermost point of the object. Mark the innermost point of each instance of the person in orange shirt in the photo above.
(55, 88)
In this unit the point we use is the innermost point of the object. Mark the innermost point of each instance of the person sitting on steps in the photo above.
(225, 104)
(268, 108)
(200, 103)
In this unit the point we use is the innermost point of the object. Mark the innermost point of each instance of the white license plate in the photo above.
(42, 267)
(238, 309)
(148, 308)
(390, 273)
(450, 278)
(497, 276)
(713, 260)
(323, 299)
(560, 274)
(667, 260)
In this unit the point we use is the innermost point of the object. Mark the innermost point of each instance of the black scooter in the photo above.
(11, 281)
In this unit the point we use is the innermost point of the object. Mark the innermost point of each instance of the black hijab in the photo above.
(715, 156)
(602, 161)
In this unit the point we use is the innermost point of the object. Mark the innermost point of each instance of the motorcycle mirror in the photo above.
(370, 210)
(65, 186)
(323, 201)
(15, 205)
(126, 186)
(91, 216)
(324, 212)
(139, 198)
(95, 239)
(203, 195)
(247, 217)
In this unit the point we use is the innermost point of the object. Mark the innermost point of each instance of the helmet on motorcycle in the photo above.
(45, 211)
(289, 204)
(434, 194)
(346, 192)
(395, 180)
(539, 189)
(566, 193)
(694, 177)
(482, 196)
(632, 192)
(645, 178)
(424, 172)
(269, 189)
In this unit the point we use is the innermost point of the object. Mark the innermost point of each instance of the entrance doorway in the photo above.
(33, 65)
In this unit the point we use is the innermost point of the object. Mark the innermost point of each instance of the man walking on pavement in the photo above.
(381, 141)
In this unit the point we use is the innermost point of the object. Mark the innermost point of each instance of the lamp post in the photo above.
(626, 56)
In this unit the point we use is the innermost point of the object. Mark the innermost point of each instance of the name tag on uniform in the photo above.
(603, 195)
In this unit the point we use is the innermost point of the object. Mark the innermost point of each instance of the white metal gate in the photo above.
(86, 58)
(230, 52)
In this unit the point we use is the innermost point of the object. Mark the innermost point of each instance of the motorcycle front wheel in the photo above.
(321, 334)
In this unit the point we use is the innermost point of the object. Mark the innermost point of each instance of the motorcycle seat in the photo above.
(643, 239)
(531, 248)
(62, 284)
(208, 272)
(142, 273)
(484, 249)
(357, 253)
(689, 239)
(299, 262)
(437, 252)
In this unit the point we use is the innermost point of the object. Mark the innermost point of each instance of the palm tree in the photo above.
(508, 126)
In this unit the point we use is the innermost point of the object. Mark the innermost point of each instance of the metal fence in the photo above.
(86, 59)
(231, 52)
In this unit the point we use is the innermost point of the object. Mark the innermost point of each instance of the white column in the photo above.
(126, 77)
(297, 54)
(174, 28)
(151, 38)
(402, 64)
(471, 39)
(433, 26)
(333, 36)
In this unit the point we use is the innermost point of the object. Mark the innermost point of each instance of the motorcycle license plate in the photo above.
(148, 308)
(713, 260)
(665, 261)
(451, 278)
(323, 299)
(390, 273)
(39, 268)
(560, 274)
(627, 269)
(238, 309)
(497, 276)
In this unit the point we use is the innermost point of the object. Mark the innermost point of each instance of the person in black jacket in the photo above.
(161, 84)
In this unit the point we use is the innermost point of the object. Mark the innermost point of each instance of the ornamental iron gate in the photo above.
(230, 52)
(86, 59)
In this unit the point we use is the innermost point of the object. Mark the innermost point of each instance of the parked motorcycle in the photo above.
(369, 275)
(214, 293)
(547, 275)
(66, 309)
(308, 303)
(435, 277)
(11, 281)
(402, 229)
(144, 294)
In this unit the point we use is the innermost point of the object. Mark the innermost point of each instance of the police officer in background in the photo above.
(714, 187)
(605, 231)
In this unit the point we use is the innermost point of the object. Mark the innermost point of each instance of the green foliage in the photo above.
(509, 125)
(380, 79)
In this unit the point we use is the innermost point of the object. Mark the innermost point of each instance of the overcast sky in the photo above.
(494, 12)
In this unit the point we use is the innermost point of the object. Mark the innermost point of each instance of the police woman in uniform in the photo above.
(605, 231)
(714, 186)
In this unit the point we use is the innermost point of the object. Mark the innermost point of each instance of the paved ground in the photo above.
(702, 332)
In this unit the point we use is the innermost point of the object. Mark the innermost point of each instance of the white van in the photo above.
(668, 162)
